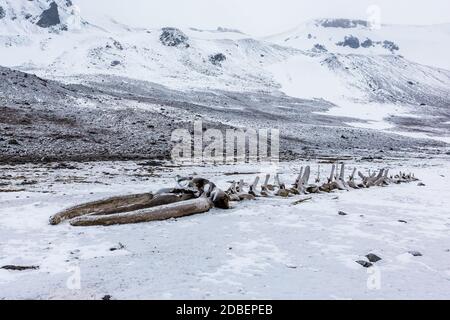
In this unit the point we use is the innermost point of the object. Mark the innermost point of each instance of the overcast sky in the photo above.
(260, 17)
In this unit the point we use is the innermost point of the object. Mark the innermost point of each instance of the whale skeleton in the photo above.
(192, 195)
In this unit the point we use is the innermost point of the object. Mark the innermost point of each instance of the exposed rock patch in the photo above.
(343, 23)
(49, 17)
(173, 37)
(319, 48)
(391, 46)
(365, 264)
(367, 43)
(19, 268)
(373, 257)
(217, 59)
(350, 41)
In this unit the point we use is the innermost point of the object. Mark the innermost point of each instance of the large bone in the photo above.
(333, 167)
(351, 181)
(318, 174)
(253, 187)
(106, 206)
(174, 210)
(265, 188)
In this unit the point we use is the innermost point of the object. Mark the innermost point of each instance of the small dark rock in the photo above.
(421, 184)
(19, 268)
(118, 45)
(115, 63)
(365, 264)
(107, 297)
(13, 142)
(402, 221)
(120, 246)
(2, 12)
(415, 253)
(373, 257)
(342, 213)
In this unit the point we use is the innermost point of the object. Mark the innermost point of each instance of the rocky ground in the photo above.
(112, 118)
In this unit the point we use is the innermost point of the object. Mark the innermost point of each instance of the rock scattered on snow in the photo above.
(367, 43)
(49, 17)
(173, 37)
(118, 45)
(421, 184)
(342, 23)
(107, 297)
(120, 246)
(19, 268)
(402, 221)
(373, 257)
(217, 59)
(391, 46)
(115, 63)
(415, 253)
(319, 48)
(342, 213)
(350, 41)
(365, 264)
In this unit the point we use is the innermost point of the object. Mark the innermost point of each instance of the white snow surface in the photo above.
(267, 248)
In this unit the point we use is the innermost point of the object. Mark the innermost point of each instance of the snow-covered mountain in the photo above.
(34, 16)
(392, 69)
(422, 44)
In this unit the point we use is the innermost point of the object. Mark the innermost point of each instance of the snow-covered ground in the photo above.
(267, 248)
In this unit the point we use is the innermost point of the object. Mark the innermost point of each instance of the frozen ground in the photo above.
(266, 248)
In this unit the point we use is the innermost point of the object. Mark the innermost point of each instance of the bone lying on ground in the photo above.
(198, 195)
(164, 212)
(105, 206)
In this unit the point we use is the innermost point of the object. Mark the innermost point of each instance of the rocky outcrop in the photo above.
(391, 46)
(342, 23)
(217, 59)
(367, 43)
(350, 41)
(173, 37)
(319, 48)
(49, 17)
(353, 42)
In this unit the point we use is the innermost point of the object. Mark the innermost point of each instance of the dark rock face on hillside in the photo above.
(217, 59)
(173, 37)
(343, 23)
(2, 12)
(350, 41)
(367, 43)
(319, 48)
(391, 46)
(49, 17)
